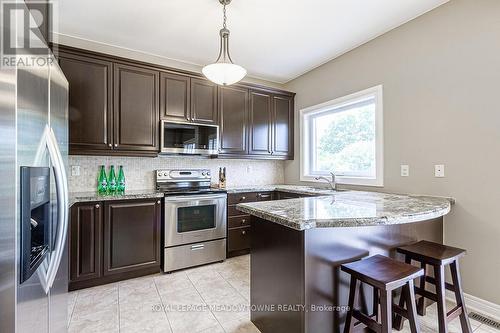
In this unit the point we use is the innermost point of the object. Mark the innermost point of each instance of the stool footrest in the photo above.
(454, 313)
(369, 322)
(426, 294)
(432, 280)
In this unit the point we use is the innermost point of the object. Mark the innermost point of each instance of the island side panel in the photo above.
(327, 248)
(277, 277)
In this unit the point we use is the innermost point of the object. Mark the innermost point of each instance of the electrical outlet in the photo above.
(405, 170)
(75, 170)
(439, 170)
(249, 168)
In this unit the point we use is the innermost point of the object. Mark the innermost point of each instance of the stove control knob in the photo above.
(165, 174)
(203, 173)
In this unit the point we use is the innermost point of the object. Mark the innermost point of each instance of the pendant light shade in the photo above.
(223, 71)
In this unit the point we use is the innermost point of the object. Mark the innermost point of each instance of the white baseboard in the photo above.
(476, 304)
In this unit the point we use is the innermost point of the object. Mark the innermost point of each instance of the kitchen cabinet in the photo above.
(260, 123)
(85, 238)
(113, 240)
(204, 101)
(90, 111)
(282, 120)
(136, 103)
(131, 236)
(175, 94)
(238, 223)
(271, 124)
(116, 105)
(233, 107)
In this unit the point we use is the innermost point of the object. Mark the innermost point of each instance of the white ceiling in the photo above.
(276, 40)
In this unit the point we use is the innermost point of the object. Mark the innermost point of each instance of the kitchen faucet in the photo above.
(332, 182)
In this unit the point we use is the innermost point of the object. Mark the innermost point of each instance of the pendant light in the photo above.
(223, 71)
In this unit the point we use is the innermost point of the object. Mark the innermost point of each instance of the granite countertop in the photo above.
(299, 189)
(349, 209)
(75, 197)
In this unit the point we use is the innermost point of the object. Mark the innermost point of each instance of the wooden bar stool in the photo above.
(384, 275)
(438, 256)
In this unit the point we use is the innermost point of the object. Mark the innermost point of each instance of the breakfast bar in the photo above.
(299, 244)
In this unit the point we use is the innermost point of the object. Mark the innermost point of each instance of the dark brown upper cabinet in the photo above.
(203, 101)
(233, 106)
(260, 123)
(136, 105)
(131, 236)
(116, 105)
(90, 115)
(85, 242)
(283, 115)
(175, 94)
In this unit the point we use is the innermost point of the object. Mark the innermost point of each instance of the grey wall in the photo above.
(441, 78)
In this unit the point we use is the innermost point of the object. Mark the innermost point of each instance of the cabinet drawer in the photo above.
(236, 198)
(232, 211)
(238, 239)
(238, 221)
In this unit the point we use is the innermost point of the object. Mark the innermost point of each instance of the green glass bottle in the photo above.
(121, 180)
(102, 181)
(112, 180)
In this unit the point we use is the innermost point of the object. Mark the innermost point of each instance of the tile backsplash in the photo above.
(139, 171)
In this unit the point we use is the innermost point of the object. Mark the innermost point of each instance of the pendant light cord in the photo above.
(225, 18)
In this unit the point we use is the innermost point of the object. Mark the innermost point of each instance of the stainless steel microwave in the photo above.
(189, 138)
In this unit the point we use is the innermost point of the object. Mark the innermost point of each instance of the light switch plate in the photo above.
(405, 170)
(75, 170)
(439, 170)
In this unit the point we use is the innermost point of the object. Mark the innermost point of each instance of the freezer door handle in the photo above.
(62, 206)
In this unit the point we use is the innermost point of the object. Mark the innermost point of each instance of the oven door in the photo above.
(194, 218)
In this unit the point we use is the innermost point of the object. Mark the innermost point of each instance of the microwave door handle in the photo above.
(62, 207)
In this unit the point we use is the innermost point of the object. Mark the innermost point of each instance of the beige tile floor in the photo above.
(208, 299)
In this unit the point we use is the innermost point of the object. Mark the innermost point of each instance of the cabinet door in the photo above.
(174, 97)
(90, 115)
(136, 104)
(259, 125)
(233, 108)
(283, 125)
(203, 101)
(85, 239)
(131, 236)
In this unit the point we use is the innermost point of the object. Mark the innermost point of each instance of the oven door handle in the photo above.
(186, 198)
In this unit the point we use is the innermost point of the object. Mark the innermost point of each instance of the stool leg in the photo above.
(386, 310)
(398, 321)
(349, 323)
(441, 299)
(411, 308)
(421, 307)
(459, 296)
(376, 303)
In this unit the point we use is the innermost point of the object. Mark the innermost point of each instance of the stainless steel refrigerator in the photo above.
(34, 199)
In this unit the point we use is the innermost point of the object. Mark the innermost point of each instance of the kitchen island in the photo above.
(299, 244)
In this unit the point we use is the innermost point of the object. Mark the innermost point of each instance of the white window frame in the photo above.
(305, 137)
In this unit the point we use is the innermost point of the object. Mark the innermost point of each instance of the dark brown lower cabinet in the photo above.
(85, 238)
(113, 240)
(131, 236)
(238, 223)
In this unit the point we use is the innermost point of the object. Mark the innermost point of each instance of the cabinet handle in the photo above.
(260, 195)
(158, 202)
(110, 145)
(116, 145)
(243, 232)
(97, 206)
(243, 221)
(243, 198)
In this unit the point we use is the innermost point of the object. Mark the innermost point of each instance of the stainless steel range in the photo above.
(194, 219)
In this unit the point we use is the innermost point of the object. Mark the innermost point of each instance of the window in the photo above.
(344, 136)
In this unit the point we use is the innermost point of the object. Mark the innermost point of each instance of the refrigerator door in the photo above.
(58, 115)
(32, 119)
